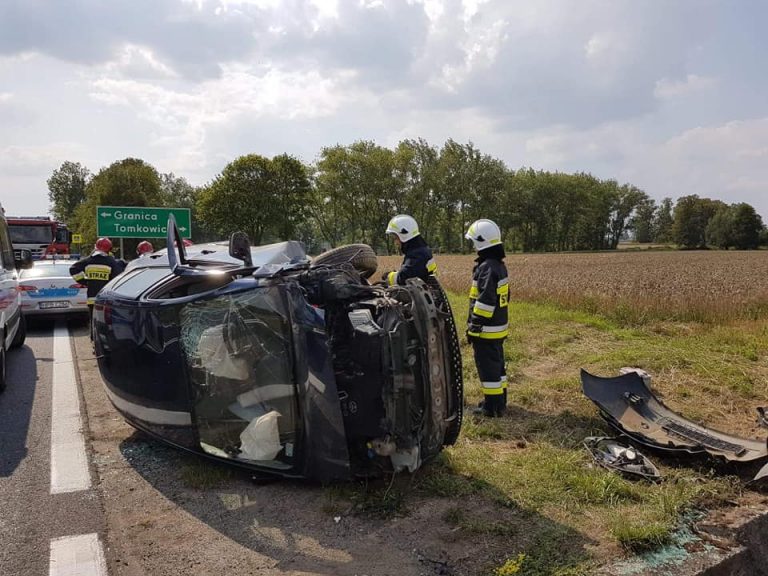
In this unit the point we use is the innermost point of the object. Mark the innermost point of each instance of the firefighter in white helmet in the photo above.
(417, 255)
(488, 321)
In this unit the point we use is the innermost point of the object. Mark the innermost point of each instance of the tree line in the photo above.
(350, 192)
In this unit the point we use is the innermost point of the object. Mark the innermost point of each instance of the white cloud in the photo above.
(29, 160)
(139, 62)
(667, 89)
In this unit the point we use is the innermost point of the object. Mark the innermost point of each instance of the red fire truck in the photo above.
(40, 235)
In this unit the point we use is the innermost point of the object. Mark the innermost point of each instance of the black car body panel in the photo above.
(628, 404)
(279, 366)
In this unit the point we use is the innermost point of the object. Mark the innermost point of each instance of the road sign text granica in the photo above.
(140, 221)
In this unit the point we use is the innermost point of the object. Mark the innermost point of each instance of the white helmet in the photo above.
(484, 234)
(404, 226)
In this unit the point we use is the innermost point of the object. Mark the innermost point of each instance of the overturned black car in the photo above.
(266, 359)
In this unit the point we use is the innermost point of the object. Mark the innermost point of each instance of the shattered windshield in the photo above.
(239, 354)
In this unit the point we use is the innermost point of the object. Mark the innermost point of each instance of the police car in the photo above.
(48, 289)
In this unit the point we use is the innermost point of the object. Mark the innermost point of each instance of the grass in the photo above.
(533, 460)
(526, 483)
(202, 475)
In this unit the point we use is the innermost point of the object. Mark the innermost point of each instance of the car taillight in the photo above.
(78, 286)
(26, 288)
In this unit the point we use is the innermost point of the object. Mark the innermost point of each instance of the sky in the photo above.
(670, 96)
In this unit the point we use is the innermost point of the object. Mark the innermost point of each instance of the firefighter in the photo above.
(144, 249)
(417, 261)
(95, 271)
(488, 321)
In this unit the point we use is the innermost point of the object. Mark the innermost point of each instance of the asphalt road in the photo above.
(30, 516)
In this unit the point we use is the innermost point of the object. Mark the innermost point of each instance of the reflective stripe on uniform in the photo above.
(492, 388)
(98, 272)
(91, 300)
(483, 310)
(79, 276)
(392, 278)
(492, 332)
(431, 266)
(502, 290)
(504, 382)
(474, 292)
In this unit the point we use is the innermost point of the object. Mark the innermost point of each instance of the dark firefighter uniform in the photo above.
(95, 271)
(488, 325)
(417, 262)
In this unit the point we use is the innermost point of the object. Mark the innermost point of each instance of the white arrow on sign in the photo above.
(105, 214)
(182, 229)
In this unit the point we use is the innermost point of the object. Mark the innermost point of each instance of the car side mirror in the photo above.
(22, 259)
(240, 248)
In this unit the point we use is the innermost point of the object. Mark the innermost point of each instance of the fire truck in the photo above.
(40, 235)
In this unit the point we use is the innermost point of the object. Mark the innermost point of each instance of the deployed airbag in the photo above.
(261, 439)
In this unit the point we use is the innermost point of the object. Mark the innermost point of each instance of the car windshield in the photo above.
(238, 347)
(48, 270)
(40, 234)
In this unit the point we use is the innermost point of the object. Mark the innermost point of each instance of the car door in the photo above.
(10, 307)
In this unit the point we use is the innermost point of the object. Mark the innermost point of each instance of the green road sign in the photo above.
(140, 222)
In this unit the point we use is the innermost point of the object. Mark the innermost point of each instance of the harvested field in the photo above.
(694, 320)
(631, 287)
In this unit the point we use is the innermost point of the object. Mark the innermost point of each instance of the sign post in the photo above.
(140, 221)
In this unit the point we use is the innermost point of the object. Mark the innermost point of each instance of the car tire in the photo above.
(360, 256)
(2, 365)
(455, 372)
(21, 334)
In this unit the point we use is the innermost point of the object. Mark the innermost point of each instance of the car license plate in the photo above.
(46, 305)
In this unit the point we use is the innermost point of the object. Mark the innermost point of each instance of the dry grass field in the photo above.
(695, 320)
(631, 287)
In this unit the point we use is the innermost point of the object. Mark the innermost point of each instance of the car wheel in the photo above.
(455, 373)
(2, 366)
(361, 256)
(21, 334)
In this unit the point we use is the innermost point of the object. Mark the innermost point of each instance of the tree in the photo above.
(664, 222)
(66, 189)
(626, 199)
(720, 229)
(129, 182)
(293, 188)
(692, 215)
(358, 189)
(176, 192)
(644, 221)
(746, 227)
(243, 197)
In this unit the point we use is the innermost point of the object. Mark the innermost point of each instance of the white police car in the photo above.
(48, 289)
(12, 327)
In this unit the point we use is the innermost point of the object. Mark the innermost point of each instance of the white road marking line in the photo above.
(69, 463)
(77, 556)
